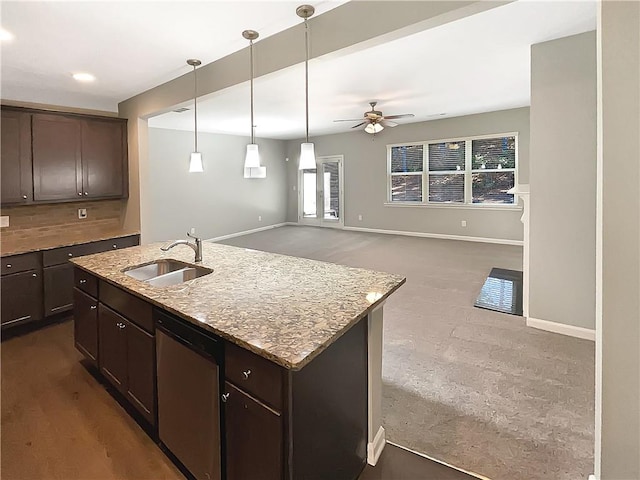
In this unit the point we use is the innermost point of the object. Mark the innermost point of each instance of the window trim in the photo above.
(467, 173)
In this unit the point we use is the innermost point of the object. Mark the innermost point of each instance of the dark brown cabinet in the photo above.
(21, 295)
(57, 160)
(17, 179)
(253, 437)
(58, 288)
(86, 325)
(54, 157)
(113, 347)
(141, 355)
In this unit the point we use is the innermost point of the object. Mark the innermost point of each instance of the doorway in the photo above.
(321, 199)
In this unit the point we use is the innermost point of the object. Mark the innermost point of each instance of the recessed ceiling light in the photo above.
(84, 77)
(5, 35)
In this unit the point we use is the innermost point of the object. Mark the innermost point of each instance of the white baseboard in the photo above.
(247, 232)
(555, 327)
(500, 241)
(374, 449)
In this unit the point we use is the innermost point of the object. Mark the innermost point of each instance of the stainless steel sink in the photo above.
(165, 272)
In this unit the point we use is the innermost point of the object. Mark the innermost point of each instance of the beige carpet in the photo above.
(475, 388)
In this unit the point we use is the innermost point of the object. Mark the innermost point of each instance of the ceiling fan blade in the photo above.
(359, 125)
(349, 120)
(387, 123)
(404, 115)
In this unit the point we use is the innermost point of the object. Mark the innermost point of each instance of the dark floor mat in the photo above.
(502, 292)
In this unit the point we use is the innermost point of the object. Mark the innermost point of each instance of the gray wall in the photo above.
(563, 181)
(365, 172)
(618, 344)
(217, 202)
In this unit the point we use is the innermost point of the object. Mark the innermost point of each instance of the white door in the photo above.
(321, 193)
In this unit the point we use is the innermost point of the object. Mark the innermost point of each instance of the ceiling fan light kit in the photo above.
(307, 151)
(252, 168)
(195, 162)
(374, 121)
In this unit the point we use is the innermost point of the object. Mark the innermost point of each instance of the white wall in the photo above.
(217, 202)
(563, 181)
(365, 172)
(618, 340)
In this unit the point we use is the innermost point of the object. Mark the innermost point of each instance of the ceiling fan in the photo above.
(374, 121)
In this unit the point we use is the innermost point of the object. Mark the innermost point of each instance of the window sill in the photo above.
(463, 206)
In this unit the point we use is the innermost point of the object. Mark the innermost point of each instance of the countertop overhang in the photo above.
(286, 309)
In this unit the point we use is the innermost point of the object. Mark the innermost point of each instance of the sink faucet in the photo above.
(197, 246)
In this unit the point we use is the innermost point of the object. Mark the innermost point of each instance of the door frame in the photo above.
(319, 220)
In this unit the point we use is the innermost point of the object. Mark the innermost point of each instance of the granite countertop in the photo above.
(35, 244)
(286, 309)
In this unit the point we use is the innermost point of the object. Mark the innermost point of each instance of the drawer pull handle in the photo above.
(82, 281)
(70, 254)
(24, 196)
(93, 307)
(246, 374)
(8, 265)
(34, 275)
(225, 397)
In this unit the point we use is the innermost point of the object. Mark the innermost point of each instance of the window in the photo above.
(474, 170)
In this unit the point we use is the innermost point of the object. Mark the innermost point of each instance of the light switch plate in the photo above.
(4, 221)
(82, 213)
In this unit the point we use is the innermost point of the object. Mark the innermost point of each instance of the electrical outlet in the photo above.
(360, 217)
(259, 218)
(4, 221)
(463, 223)
(82, 213)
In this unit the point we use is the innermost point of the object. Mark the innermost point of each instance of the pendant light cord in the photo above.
(306, 72)
(251, 59)
(195, 107)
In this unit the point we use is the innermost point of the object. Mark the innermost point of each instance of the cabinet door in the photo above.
(21, 297)
(58, 288)
(103, 158)
(254, 438)
(141, 357)
(17, 186)
(57, 167)
(112, 339)
(85, 317)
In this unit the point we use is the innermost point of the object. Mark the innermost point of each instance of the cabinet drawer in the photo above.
(117, 243)
(133, 308)
(20, 263)
(254, 374)
(85, 282)
(58, 256)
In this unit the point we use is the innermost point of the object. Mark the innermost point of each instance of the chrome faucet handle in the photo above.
(193, 236)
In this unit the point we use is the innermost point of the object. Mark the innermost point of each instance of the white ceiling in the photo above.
(477, 64)
(130, 46)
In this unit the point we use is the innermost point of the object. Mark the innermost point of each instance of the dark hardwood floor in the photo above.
(58, 422)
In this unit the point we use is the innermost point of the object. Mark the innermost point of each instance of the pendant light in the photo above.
(307, 154)
(252, 159)
(195, 164)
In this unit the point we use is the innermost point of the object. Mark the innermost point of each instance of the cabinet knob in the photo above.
(24, 196)
(114, 245)
(225, 397)
(93, 307)
(246, 374)
(122, 325)
(85, 194)
(70, 254)
(79, 194)
(34, 274)
(83, 280)
(8, 265)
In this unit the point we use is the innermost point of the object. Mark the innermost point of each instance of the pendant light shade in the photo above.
(252, 159)
(307, 156)
(373, 128)
(307, 153)
(195, 163)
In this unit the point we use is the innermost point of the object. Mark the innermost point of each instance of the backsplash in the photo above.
(46, 223)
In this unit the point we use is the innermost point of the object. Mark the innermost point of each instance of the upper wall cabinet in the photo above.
(77, 157)
(62, 157)
(17, 187)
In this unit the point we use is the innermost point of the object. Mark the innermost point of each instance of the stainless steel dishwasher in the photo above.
(189, 395)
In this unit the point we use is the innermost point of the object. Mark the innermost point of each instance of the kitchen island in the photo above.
(300, 357)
